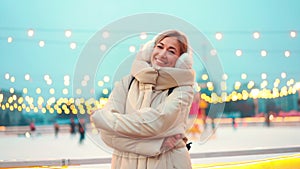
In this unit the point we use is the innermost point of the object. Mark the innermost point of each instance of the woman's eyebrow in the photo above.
(170, 47)
(161, 43)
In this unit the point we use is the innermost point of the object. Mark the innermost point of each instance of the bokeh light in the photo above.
(30, 32)
(68, 33)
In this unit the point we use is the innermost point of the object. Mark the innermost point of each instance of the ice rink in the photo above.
(43, 147)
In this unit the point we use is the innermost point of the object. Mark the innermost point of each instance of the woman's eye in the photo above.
(159, 46)
(171, 51)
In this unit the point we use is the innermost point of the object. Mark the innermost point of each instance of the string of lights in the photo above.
(37, 101)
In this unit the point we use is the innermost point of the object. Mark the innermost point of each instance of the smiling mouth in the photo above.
(160, 61)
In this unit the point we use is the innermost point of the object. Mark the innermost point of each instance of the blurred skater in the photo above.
(32, 127)
(234, 124)
(72, 127)
(81, 129)
(56, 129)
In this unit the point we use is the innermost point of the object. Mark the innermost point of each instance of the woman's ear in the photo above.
(185, 61)
(146, 51)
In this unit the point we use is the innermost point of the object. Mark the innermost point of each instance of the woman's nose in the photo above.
(162, 53)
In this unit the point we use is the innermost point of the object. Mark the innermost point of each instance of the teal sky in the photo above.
(235, 19)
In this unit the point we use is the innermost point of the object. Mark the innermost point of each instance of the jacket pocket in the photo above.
(180, 158)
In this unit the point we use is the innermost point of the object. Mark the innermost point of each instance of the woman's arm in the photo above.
(146, 147)
(121, 142)
(116, 104)
(148, 122)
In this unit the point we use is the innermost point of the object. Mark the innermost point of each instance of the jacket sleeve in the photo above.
(148, 122)
(147, 147)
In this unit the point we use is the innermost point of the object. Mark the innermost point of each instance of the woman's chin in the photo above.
(156, 66)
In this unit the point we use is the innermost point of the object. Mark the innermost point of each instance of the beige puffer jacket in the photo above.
(135, 122)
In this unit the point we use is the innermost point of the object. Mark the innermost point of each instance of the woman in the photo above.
(145, 119)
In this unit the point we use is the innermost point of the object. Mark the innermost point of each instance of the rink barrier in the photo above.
(280, 162)
(95, 161)
(53, 163)
(246, 121)
(280, 150)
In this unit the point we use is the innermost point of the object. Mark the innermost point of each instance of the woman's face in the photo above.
(166, 52)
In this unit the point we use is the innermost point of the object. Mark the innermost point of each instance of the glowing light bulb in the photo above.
(25, 90)
(12, 79)
(238, 52)
(9, 39)
(86, 77)
(78, 91)
(204, 77)
(66, 78)
(41, 43)
(283, 75)
(68, 33)
(73, 45)
(256, 35)
(100, 83)
(143, 35)
(49, 82)
(219, 36)
(263, 53)
(293, 34)
(6, 76)
(106, 79)
(287, 53)
(105, 91)
(65, 91)
(27, 77)
(102, 47)
(263, 76)
(51, 91)
(213, 52)
(105, 34)
(224, 76)
(83, 83)
(38, 90)
(30, 32)
(244, 76)
(132, 49)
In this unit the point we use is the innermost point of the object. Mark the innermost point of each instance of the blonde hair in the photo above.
(182, 39)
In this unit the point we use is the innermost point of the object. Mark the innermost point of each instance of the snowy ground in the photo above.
(49, 147)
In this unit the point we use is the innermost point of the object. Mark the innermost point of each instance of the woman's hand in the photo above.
(91, 114)
(94, 110)
(170, 142)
